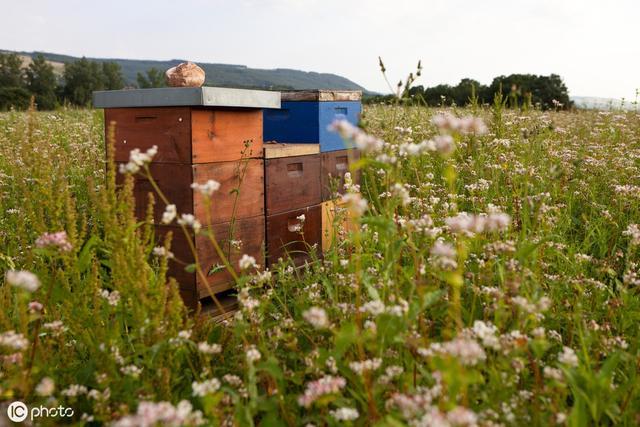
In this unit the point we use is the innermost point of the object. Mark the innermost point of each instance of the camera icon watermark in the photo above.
(17, 412)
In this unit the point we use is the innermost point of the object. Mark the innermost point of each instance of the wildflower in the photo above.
(253, 355)
(486, 332)
(359, 367)
(190, 221)
(317, 317)
(246, 262)
(344, 414)
(35, 306)
(206, 387)
(58, 240)
(373, 307)
(321, 387)
(45, 387)
(466, 350)
(13, 340)
(131, 370)
(113, 298)
(568, 357)
(74, 390)
(162, 252)
(363, 141)
(399, 191)
(207, 348)
(633, 231)
(355, 203)
(138, 159)
(23, 279)
(56, 326)
(162, 413)
(443, 255)
(170, 213)
(552, 373)
(206, 189)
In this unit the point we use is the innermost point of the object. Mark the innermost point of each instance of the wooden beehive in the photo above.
(305, 116)
(201, 134)
(333, 167)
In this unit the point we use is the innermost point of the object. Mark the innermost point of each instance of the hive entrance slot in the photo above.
(294, 170)
(145, 119)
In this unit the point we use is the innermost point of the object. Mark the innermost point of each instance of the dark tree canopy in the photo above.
(41, 82)
(153, 78)
(13, 93)
(112, 73)
(81, 78)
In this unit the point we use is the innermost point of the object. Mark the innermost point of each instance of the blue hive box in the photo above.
(305, 115)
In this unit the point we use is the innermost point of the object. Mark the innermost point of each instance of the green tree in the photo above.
(112, 74)
(41, 83)
(13, 93)
(153, 78)
(543, 91)
(81, 78)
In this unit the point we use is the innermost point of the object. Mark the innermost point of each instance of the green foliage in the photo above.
(81, 79)
(13, 93)
(112, 76)
(41, 83)
(152, 78)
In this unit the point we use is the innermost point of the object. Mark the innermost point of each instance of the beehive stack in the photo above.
(307, 183)
(201, 134)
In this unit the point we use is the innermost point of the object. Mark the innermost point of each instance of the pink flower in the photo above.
(316, 389)
(58, 240)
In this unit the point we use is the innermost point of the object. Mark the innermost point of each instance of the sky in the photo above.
(593, 45)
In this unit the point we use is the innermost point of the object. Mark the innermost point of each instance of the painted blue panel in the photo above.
(330, 111)
(295, 122)
(307, 122)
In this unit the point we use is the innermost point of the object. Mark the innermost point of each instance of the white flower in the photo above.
(345, 414)
(162, 252)
(112, 297)
(169, 214)
(317, 317)
(355, 203)
(138, 159)
(206, 387)
(13, 340)
(253, 354)
(246, 262)
(45, 387)
(208, 188)
(131, 370)
(23, 279)
(568, 357)
(190, 221)
(360, 367)
(207, 348)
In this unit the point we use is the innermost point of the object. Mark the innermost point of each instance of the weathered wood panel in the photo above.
(142, 128)
(322, 95)
(219, 135)
(292, 183)
(288, 236)
(276, 150)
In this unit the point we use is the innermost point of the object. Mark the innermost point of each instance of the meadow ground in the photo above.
(493, 278)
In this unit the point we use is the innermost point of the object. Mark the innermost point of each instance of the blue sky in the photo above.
(593, 45)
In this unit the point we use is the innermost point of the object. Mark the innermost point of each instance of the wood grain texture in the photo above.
(275, 151)
(219, 135)
(249, 232)
(321, 95)
(167, 127)
(173, 179)
(292, 183)
(284, 237)
(334, 165)
(336, 223)
(250, 201)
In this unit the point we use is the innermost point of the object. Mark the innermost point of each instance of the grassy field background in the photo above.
(524, 310)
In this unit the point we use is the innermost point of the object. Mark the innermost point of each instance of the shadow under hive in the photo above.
(201, 134)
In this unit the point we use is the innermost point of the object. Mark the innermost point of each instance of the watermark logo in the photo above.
(18, 412)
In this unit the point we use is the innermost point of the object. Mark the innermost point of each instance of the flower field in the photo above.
(488, 274)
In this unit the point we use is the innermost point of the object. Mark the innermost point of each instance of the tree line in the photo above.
(80, 78)
(515, 90)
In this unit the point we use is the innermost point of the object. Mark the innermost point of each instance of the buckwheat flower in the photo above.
(206, 348)
(35, 306)
(138, 159)
(317, 317)
(321, 387)
(253, 355)
(552, 373)
(460, 416)
(206, 189)
(113, 298)
(360, 139)
(633, 231)
(443, 144)
(23, 279)
(55, 326)
(13, 340)
(355, 203)
(131, 370)
(373, 307)
(206, 387)
(58, 240)
(345, 414)
(170, 213)
(301, 218)
(162, 252)
(232, 380)
(399, 191)
(246, 262)
(467, 351)
(498, 221)
(74, 390)
(443, 255)
(184, 334)
(568, 357)
(45, 387)
(486, 333)
(359, 367)
(162, 413)
(190, 221)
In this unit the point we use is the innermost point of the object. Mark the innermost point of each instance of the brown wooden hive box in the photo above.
(292, 183)
(187, 134)
(334, 165)
(288, 236)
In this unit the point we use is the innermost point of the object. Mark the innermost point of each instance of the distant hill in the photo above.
(225, 75)
(596, 103)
